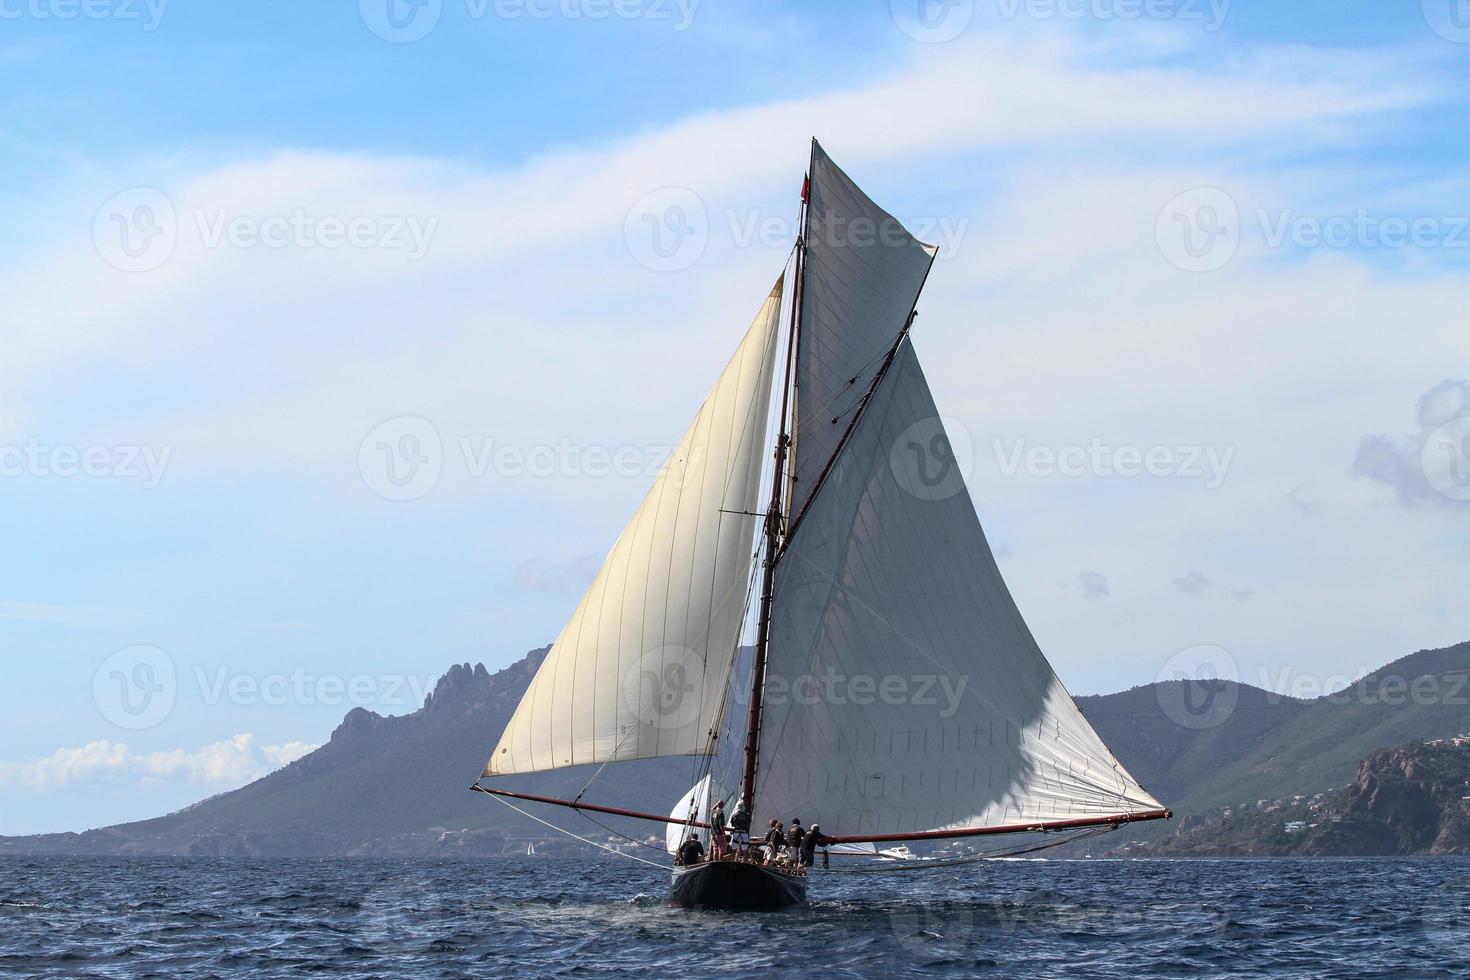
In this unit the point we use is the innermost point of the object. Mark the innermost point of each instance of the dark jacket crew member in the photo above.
(691, 852)
(794, 837)
(775, 841)
(813, 839)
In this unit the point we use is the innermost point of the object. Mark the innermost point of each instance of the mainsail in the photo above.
(904, 691)
(642, 667)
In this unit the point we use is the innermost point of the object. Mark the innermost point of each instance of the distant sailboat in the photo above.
(531, 849)
(865, 579)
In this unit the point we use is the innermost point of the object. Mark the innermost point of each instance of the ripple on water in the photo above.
(1106, 919)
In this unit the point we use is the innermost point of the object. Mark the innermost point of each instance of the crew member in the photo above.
(740, 828)
(794, 839)
(813, 839)
(717, 818)
(691, 851)
(775, 842)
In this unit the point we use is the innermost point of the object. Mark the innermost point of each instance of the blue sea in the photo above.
(531, 917)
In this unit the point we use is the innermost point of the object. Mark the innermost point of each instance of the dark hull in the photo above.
(735, 886)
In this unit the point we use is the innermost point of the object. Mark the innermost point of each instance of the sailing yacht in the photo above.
(813, 515)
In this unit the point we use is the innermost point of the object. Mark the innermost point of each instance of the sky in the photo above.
(1198, 328)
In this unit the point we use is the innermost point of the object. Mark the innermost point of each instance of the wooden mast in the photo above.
(775, 513)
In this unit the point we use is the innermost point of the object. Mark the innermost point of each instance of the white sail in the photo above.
(693, 805)
(905, 693)
(641, 669)
(863, 274)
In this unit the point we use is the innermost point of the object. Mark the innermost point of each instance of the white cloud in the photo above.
(1056, 320)
(229, 763)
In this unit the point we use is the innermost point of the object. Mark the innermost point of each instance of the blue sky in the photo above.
(1294, 374)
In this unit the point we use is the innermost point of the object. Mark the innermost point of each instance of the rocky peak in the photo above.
(357, 723)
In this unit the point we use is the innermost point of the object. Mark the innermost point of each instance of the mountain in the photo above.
(1413, 799)
(385, 786)
(399, 785)
(1254, 744)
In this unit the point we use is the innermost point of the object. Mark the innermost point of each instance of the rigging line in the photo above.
(716, 730)
(610, 758)
(889, 357)
(975, 858)
(745, 424)
(561, 830)
(820, 408)
(775, 523)
(619, 833)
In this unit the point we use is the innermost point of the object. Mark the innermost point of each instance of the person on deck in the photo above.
(775, 842)
(794, 839)
(691, 851)
(813, 839)
(740, 828)
(717, 821)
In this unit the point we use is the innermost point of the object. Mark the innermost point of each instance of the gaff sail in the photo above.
(904, 692)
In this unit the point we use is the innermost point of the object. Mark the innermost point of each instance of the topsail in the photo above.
(863, 276)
